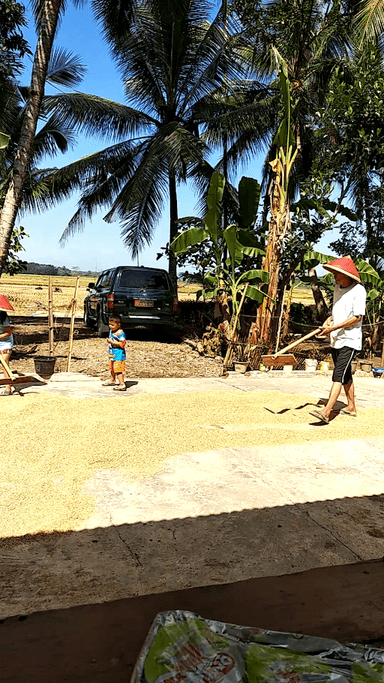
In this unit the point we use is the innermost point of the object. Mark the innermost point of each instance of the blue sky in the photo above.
(100, 245)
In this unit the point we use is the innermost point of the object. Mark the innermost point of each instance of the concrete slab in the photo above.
(212, 517)
(370, 391)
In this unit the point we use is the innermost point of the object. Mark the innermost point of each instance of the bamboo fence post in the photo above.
(280, 321)
(72, 325)
(50, 316)
(228, 355)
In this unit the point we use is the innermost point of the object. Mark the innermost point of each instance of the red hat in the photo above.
(345, 266)
(4, 304)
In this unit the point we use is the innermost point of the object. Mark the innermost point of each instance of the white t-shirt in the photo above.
(347, 302)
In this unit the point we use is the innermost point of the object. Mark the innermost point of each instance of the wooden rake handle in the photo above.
(298, 341)
(6, 367)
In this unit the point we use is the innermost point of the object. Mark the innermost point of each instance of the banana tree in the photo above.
(237, 239)
(280, 219)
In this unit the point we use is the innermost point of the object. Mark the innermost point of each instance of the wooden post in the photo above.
(280, 321)
(50, 316)
(72, 325)
(228, 355)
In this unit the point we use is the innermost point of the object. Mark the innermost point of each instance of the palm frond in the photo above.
(138, 219)
(85, 174)
(51, 139)
(97, 116)
(65, 68)
(369, 20)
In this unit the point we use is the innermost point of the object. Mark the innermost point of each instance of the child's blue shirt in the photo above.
(115, 352)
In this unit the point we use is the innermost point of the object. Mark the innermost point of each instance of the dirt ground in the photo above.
(148, 354)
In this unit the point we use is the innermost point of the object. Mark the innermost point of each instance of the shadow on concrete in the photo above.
(100, 643)
(298, 562)
(84, 600)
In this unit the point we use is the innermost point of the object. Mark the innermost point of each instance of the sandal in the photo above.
(346, 412)
(120, 388)
(109, 384)
(319, 416)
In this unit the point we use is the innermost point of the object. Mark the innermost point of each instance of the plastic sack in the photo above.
(182, 647)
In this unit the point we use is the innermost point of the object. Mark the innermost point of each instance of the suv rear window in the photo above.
(143, 280)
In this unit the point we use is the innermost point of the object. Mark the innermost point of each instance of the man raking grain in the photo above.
(345, 330)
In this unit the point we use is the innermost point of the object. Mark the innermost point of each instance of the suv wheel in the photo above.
(88, 322)
(101, 328)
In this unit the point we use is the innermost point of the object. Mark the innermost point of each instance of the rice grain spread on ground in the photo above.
(52, 445)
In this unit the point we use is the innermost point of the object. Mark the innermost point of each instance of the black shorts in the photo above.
(342, 360)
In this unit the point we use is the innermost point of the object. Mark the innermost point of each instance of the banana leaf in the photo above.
(187, 239)
(261, 275)
(311, 259)
(368, 273)
(373, 294)
(249, 197)
(230, 238)
(214, 199)
(255, 294)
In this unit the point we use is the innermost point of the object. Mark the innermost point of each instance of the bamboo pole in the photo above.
(295, 343)
(50, 316)
(280, 321)
(228, 355)
(72, 325)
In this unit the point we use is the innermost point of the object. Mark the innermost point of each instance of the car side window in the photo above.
(99, 281)
(104, 280)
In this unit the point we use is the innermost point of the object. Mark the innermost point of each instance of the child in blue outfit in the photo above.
(116, 353)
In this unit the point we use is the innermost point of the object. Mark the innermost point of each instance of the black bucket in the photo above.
(44, 365)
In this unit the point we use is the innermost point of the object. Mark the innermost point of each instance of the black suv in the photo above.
(142, 297)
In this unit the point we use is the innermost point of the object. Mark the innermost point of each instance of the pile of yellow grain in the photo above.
(52, 445)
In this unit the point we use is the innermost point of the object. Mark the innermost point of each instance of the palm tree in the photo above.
(172, 59)
(47, 15)
(64, 69)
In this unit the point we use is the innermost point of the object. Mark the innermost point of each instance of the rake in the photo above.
(281, 358)
(12, 380)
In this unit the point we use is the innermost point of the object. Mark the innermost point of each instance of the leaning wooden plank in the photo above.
(287, 359)
(12, 379)
(26, 379)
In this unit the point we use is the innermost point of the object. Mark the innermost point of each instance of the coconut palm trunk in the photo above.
(173, 216)
(47, 29)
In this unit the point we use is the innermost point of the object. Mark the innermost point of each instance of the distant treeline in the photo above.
(44, 269)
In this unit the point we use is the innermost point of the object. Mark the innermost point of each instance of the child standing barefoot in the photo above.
(6, 339)
(116, 353)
